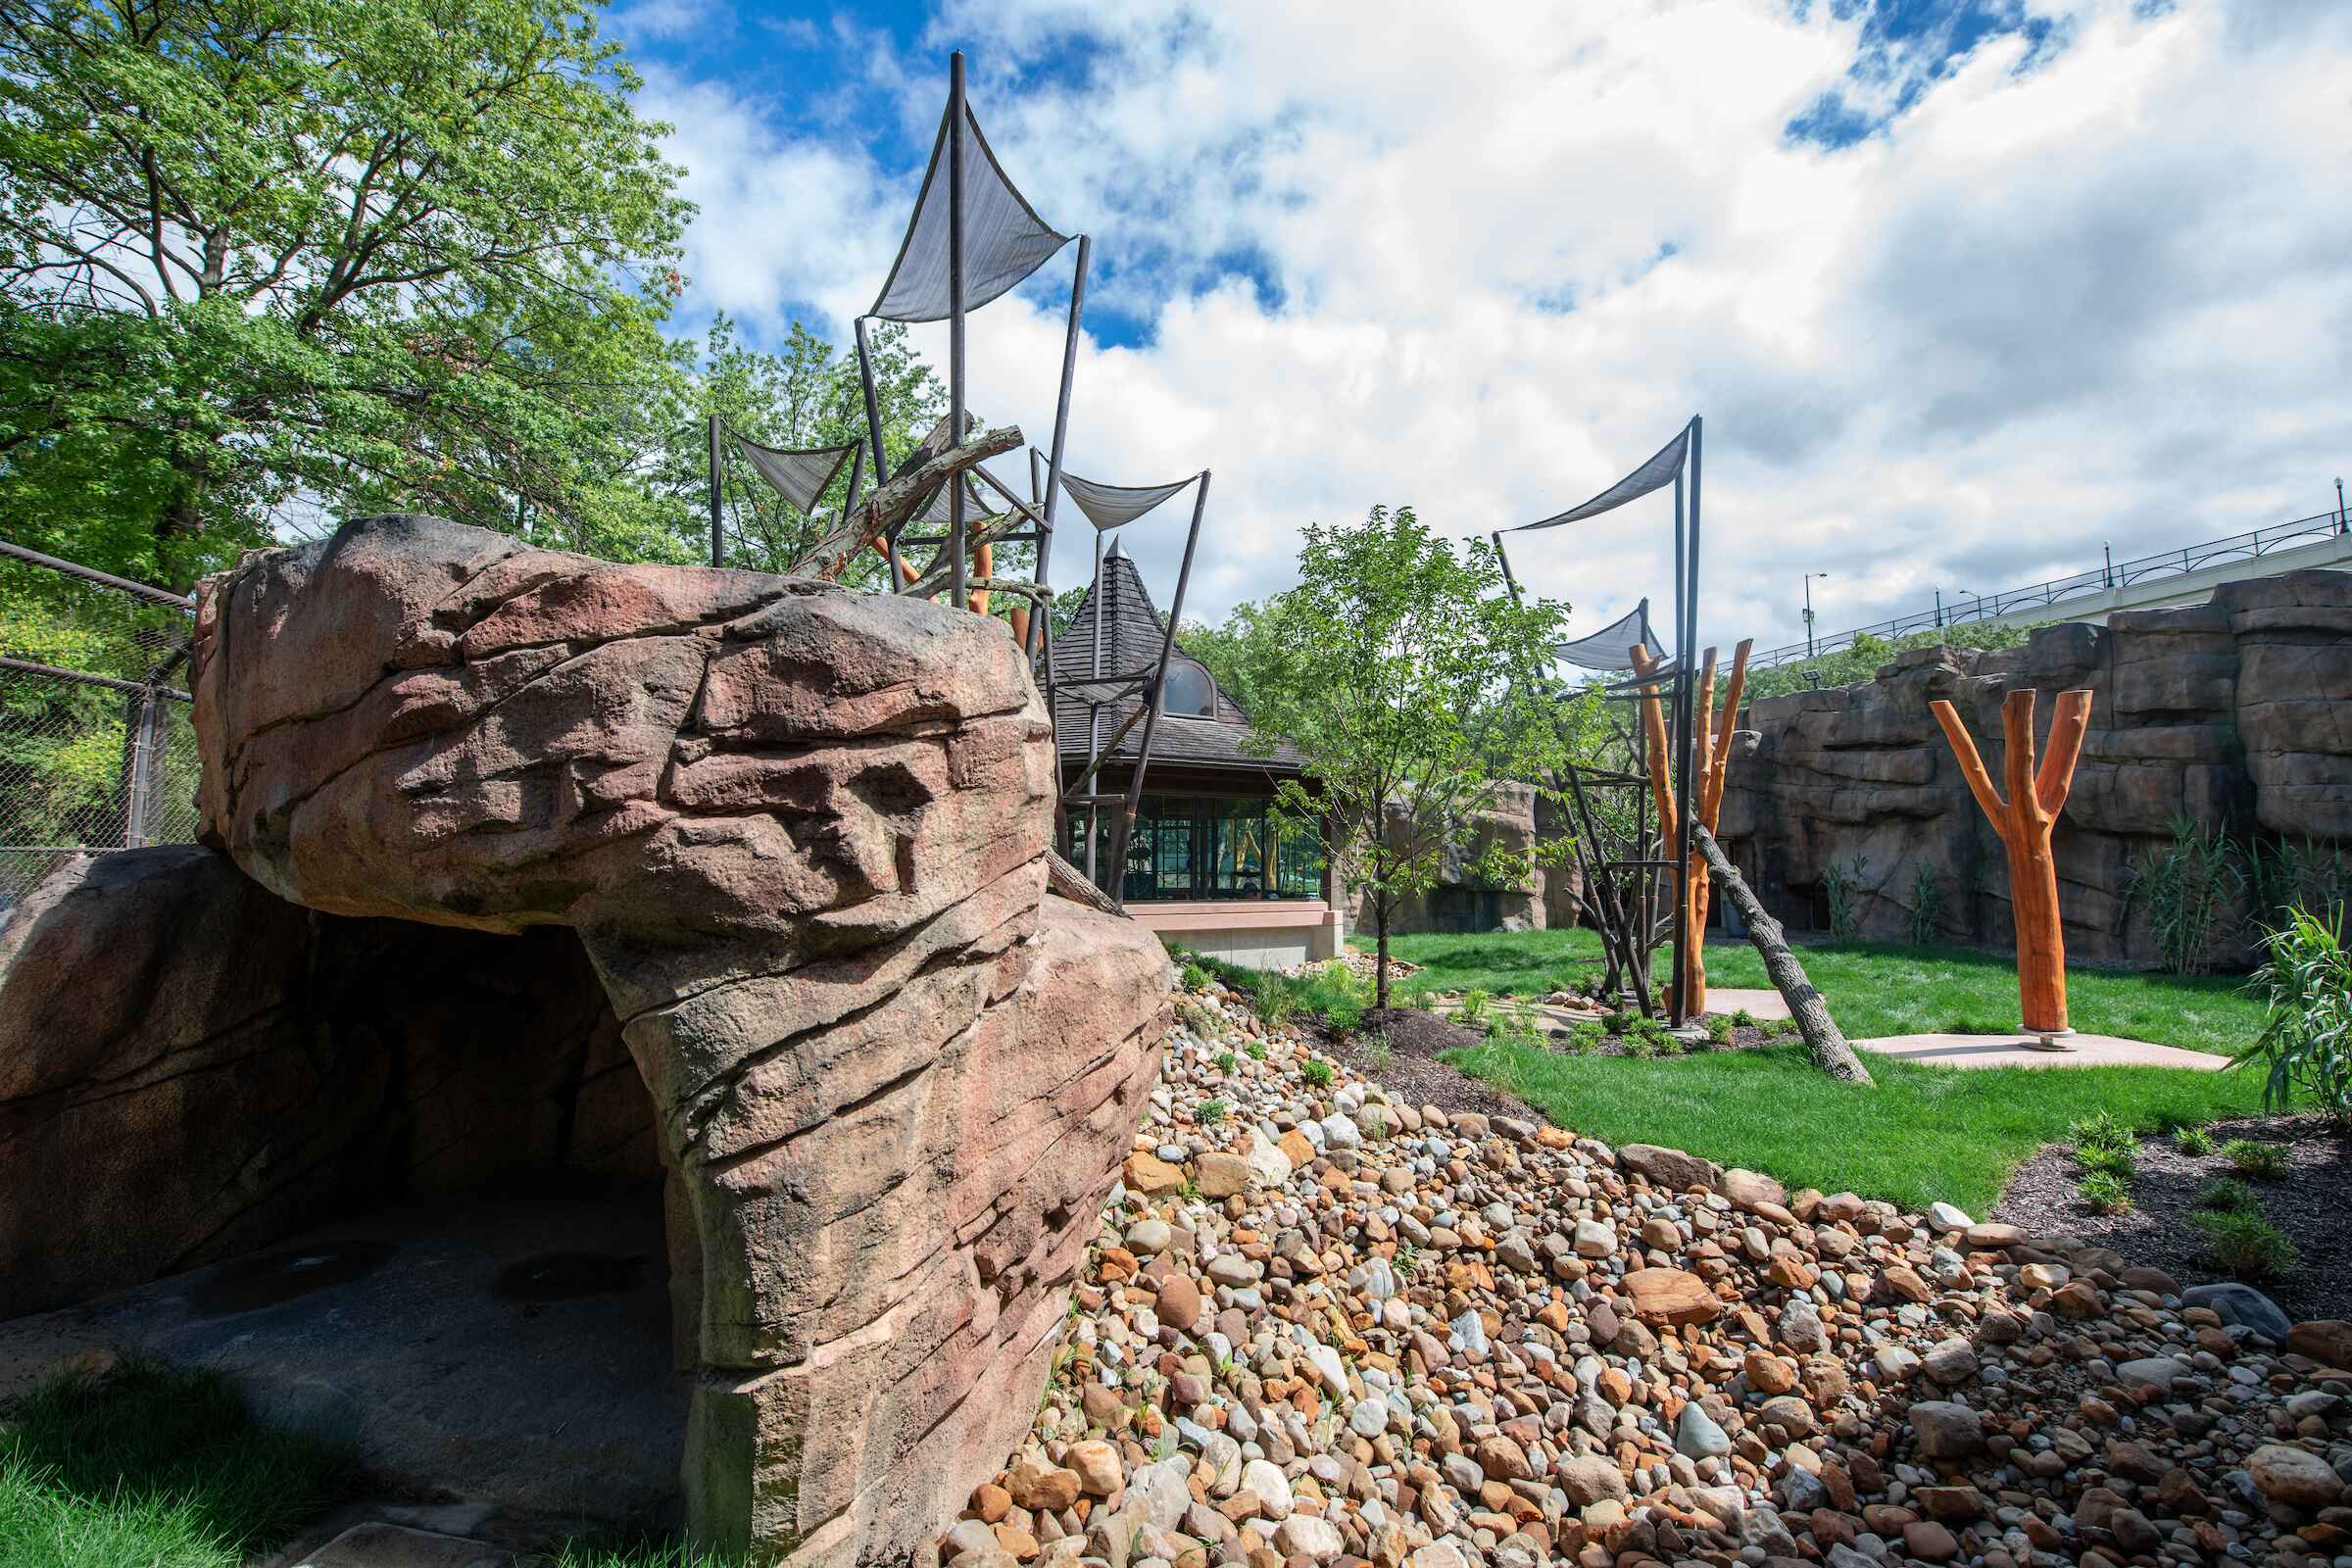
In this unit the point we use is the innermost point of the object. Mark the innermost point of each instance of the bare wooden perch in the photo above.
(1711, 755)
(883, 512)
(2024, 821)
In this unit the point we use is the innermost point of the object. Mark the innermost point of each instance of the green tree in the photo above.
(268, 259)
(808, 396)
(1389, 667)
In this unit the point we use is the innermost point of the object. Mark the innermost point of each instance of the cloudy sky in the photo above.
(1963, 290)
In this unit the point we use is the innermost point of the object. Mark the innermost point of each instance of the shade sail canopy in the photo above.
(1659, 472)
(1004, 238)
(799, 475)
(1110, 506)
(1610, 649)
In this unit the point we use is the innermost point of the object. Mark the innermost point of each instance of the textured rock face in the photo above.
(1460, 900)
(801, 833)
(2237, 714)
(192, 1067)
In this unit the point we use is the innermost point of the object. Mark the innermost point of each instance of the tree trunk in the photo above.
(1380, 966)
(1831, 1054)
(2024, 821)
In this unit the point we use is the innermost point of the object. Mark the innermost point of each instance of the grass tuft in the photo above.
(156, 1466)
(2265, 1162)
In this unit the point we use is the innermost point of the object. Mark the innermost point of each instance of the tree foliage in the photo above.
(1861, 661)
(262, 258)
(1390, 667)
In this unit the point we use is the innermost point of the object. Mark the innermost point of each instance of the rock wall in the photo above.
(203, 1068)
(2237, 714)
(801, 833)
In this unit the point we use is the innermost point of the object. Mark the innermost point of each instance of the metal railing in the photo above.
(2111, 573)
(96, 747)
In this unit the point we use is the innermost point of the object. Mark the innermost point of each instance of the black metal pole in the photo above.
(1684, 745)
(1061, 414)
(960, 567)
(1125, 825)
(1674, 741)
(1094, 708)
(874, 437)
(718, 548)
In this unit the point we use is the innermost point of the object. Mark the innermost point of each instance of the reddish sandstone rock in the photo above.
(1670, 1296)
(802, 833)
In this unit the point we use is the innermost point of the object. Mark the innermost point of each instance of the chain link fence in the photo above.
(96, 747)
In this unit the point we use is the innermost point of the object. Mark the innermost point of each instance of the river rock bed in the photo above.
(1322, 1326)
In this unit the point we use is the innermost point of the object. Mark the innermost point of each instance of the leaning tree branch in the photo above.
(890, 506)
(1831, 1054)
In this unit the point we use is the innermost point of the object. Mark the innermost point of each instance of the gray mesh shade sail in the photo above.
(1109, 506)
(798, 475)
(1004, 238)
(1659, 472)
(1606, 649)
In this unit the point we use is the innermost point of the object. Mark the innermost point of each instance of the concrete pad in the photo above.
(1763, 1004)
(2024, 1051)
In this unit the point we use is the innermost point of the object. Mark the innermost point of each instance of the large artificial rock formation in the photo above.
(1459, 899)
(801, 832)
(2237, 714)
(190, 1067)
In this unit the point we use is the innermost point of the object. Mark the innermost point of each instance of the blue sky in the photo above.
(1966, 290)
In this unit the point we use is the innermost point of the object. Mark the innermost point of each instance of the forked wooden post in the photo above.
(2024, 821)
(1711, 749)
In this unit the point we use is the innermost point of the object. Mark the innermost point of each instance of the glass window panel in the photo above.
(1188, 691)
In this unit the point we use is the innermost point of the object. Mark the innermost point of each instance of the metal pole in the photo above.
(1061, 417)
(1125, 825)
(1684, 745)
(1681, 655)
(873, 438)
(2107, 574)
(958, 572)
(2340, 525)
(1093, 709)
(718, 548)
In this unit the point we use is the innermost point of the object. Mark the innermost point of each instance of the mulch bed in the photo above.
(2309, 1204)
(1397, 1050)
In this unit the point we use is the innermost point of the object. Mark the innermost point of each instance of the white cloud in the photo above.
(2096, 294)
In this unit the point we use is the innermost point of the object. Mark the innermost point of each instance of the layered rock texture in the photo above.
(801, 833)
(2236, 714)
(191, 1067)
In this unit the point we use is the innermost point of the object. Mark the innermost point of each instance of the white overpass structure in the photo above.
(2185, 576)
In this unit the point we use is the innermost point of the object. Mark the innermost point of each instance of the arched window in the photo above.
(1189, 692)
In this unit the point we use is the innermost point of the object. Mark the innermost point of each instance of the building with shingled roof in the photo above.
(1206, 866)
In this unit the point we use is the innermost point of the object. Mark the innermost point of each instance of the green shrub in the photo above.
(1474, 1004)
(1255, 1050)
(1211, 1113)
(2194, 888)
(1842, 890)
(1927, 906)
(2104, 1130)
(1343, 1016)
(2306, 1042)
(2246, 1247)
(1719, 1028)
(1271, 1000)
(2194, 1141)
(1743, 1020)
(1586, 1038)
(2224, 1196)
(2265, 1162)
(1194, 978)
(2107, 1192)
(1315, 1070)
(2098, 1159)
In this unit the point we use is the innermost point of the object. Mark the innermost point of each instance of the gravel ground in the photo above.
(2309, 1204)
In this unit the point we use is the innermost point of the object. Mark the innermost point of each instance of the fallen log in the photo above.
(1831, 1054)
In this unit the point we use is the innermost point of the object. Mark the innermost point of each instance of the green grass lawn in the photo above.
(1923, 1133)
(151, 1468)
(1871, 988)
(148, 1466)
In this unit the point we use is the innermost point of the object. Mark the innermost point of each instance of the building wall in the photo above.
(1272, 935)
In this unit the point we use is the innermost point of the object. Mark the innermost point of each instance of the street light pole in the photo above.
(2340, 527)
(1809, 576)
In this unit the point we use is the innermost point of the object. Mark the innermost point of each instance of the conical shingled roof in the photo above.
(1132, 630)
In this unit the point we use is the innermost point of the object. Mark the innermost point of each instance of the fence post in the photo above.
(138, 784)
